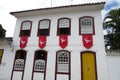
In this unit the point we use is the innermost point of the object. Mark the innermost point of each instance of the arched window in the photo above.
(44, 27)
(40, 60)
(63, 61)
(64, 26)
(86, 25)
(26, 28)
(20, 60)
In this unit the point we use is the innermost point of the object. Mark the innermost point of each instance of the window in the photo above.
(86, 25)
(40, 60)
(1, 54)
(44, 27)
(20, 60)
(64, 25)
(63, 61)
(26, 28)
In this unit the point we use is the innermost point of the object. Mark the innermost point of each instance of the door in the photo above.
(88, 66)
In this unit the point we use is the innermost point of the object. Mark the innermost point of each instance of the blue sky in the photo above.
(6, 6)
(110, 5)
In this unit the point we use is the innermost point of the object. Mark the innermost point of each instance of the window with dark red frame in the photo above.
(64, 26)
(44, 27)
(26, 28)
(1, 54)
(40, 60)
(63, 61)
(20, 60)
(86, 25)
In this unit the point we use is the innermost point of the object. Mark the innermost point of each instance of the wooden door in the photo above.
(88, 66)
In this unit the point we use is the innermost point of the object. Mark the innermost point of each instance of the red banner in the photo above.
(63, 41)
(87, 40)
(23, 41)
(42, 41)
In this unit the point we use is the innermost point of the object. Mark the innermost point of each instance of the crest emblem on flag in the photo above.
(42, 41)
(23, 41)
(63, 41)
(87, 40)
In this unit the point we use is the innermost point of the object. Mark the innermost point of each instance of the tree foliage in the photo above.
(112, 25)
(2, 32)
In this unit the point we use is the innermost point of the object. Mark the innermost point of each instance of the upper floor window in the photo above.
(20, 60)
(64, 26)
(1, 54)
(86, 25)
(44, 27)
(40, 60)
(26, 28)
(63, 61)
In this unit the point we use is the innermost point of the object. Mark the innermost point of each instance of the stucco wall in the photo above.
(7, 60)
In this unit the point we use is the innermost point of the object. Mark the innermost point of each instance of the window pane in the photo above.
(39, 65)
(26, 26)
(43, 32)
(63, 31)
(63, 23)
(63, 61)
(19, 60)
(43, 28)
(19, 64)
(25, 33)
(86, 26)
(44, 24)
(40, 60)
(63, 27)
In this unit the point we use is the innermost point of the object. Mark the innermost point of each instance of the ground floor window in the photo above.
(20, 60)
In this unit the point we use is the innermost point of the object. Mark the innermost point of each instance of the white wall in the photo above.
(7, 61)
(113, 63)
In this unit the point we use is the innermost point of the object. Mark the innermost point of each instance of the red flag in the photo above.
(23, 41)
(42, 41)
(87, 40)
(63, 41)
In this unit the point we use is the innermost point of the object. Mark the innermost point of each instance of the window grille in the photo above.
(25, 28)
(64, 26)
(39, 65)
(63, 62)
(19, 64)
(44, 27)
(86, 25)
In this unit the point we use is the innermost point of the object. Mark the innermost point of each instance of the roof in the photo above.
(58, 8)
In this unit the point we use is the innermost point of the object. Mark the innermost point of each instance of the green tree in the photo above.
(2, 32)
(112, 25)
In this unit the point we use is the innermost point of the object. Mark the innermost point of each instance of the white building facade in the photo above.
(58, 43)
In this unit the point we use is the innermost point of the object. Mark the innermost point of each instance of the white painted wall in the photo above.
(7, 61)
(113, 63)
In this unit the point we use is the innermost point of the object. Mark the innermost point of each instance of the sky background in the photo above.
(8, 21)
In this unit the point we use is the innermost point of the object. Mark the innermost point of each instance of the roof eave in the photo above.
(59, 9)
